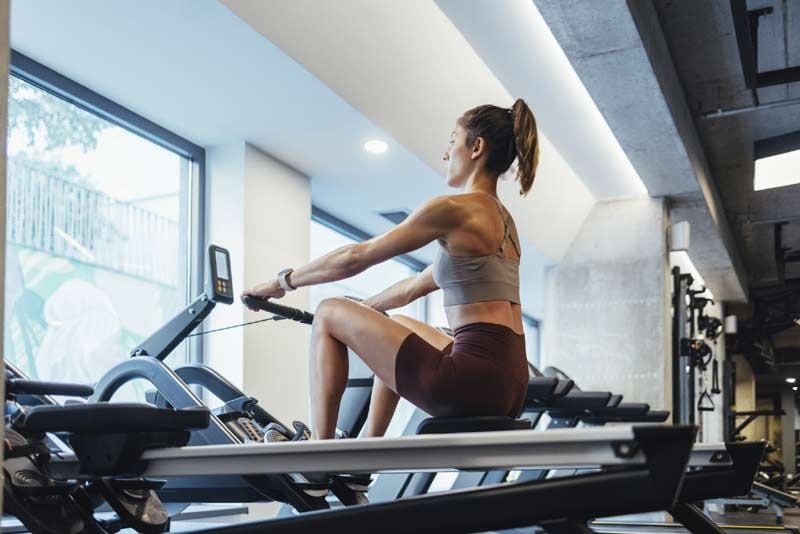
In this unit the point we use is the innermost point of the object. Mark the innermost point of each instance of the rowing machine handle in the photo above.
(278, 309)
(34, 387)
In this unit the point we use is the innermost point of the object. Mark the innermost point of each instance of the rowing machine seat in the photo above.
(450, 425)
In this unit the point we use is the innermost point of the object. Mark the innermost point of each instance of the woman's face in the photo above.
(457, 158)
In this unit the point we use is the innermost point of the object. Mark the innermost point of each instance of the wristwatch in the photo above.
(283, 280)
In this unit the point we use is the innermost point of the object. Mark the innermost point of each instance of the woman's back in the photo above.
(478, 266)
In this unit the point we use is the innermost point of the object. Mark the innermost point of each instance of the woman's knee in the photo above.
(328, 309)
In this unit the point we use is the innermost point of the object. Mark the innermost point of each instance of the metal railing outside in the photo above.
(65, 219)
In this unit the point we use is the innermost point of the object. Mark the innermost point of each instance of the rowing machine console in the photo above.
(220, 285)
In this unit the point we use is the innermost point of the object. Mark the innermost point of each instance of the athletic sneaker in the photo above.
(313, 484)
(273, 436)
(356, 482)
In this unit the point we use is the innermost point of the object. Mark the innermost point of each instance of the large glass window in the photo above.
(372, 281)
(97, 237)
(325, 239)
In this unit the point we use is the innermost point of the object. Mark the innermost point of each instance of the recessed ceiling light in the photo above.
(376, 146)
(791, 380)
(794, 388)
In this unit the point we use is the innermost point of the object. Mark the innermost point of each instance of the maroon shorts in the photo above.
(483, 372)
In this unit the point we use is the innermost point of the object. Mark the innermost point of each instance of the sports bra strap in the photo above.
(506, 228)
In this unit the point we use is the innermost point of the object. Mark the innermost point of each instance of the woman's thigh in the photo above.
(375, 338)
(435, 337)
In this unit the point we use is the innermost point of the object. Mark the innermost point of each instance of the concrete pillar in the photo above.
(260, 210)
(787, 431)
(746, 396)
(607, 303)
(4, 61)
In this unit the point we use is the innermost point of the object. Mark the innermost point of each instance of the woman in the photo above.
(482, 370)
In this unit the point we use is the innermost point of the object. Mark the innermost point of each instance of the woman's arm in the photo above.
(431, 221)
(403, 292)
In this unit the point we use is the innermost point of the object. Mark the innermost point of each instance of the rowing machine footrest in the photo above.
(450, 425)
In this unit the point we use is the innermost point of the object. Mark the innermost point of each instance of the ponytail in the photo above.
(510, 133)
(526, 139)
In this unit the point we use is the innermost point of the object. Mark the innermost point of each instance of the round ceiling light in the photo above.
(791, 380)
(376, 146)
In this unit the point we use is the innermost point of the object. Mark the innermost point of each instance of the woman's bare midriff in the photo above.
(496, 311)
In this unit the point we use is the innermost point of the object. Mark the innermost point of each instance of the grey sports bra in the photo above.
(466, 279)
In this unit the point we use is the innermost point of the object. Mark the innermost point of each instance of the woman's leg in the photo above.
(384, 401)
(340, 323)
(382, 404)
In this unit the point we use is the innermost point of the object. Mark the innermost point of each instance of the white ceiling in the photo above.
(308, 82)
(196, 69)
(408, 68)
(539, 71)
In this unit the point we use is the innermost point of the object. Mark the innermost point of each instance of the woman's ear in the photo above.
(478, 148)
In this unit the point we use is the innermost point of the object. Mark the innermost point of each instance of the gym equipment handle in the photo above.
(278, 309)
(33, 387)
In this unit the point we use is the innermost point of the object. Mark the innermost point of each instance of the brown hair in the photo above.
(509, 133)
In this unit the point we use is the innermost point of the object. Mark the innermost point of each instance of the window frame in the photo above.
(346, 229)
(537, 324)
(45, 78)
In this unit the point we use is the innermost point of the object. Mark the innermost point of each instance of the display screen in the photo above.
(222, 265)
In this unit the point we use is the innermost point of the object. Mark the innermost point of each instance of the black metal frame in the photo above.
(749, 416)
(682, 370)
(81, 96)
(334, 223)
(745, 25)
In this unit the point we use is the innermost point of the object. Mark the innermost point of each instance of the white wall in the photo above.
(4, 57)
(261, 211)
(277, 220)
(606, 311)
(225, 193)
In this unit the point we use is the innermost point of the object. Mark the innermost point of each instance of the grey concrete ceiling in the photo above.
(702, 42)
(619, 51)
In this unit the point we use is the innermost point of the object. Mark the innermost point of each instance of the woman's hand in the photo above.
(267, 290)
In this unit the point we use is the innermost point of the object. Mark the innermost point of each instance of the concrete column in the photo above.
(746, 396)
(607, 303)
(4, 61)
(260, 210)
(787, 430)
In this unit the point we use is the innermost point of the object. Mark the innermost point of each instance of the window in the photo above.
(324, 239)
(533, 342)
(98, 230)
(327, 234)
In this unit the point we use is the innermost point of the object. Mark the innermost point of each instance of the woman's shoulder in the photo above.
(471, 198)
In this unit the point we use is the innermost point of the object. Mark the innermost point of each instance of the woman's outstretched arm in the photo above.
(433, 220)
(403, 292)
